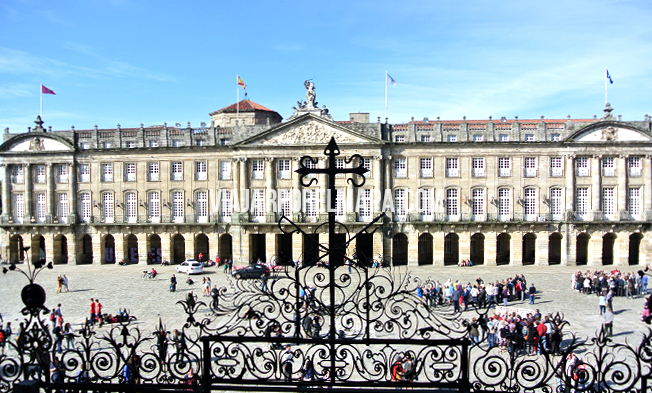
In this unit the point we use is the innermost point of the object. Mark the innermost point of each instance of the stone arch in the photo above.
(400, 249)
(108, 249)
(554, 248)
(178, 248)
(85, 245)
(154, 251)
(60, 250)
(425, 249)
(37, 250)
(16, 254)
(201, 247)
(634, 248)
(451, 249)
(131, 254)
(477, 249)
(529, 248)
(503, 249)
(608, 242)
(226, 247)
(582, 249)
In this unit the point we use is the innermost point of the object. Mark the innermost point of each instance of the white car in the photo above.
(190, 267)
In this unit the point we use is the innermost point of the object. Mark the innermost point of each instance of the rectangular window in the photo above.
(635, 166)
(478, 167)
(62, 173)
(284, 169)
(529, 137)
(257, 169)
(225, 141)
(425, 139)
(310, 201)
(107, 145)
(399, 138)
(85, 207)
(131, 208)
(17, 174)
(451, 138)
(504, 204)
(503, 138)
(504, 167)
(131, 145)
(400, 209)
(530, 206)
(225, 170)
(285, 202)
(202, 206)
(40, 207)
(426, 200)
(556, 169)
(226, 203)
(364, 204)
(608, 203)
(19, 207)
(608, 166)
(177, 206)
(307, 163)
(400, 167)
(452, 167)
(425, 167)
(478, 138)
(366, 164)
(530, 167)
(258, 204)
(85, 146)
(339, 164)
(582, 202)
(130, 171)
(177, 171)
(556, 206)
(478, 203)
(63, 207)
(107, 207)
(107, 172)
(582, 165)
(555, 137)
(452, 202)
(84, 173)
(153, 171)
(154, 206)
(634, 203)
(39, 174)
(177, 143)
(201, 170)
(339, 202)
(201, 142)
(153, 143)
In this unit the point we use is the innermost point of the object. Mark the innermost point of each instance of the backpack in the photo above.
(52, 316)
(397, 371)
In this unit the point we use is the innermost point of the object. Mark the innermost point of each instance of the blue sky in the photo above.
(131, 62)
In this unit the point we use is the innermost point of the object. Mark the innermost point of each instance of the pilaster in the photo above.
(542, 246)
(98, 254)
(413, 248)
(49, 247)
(190, 245)
(594, 257)
(270, 244)
(378, 244)
(297, 246)
(490, 239)
(143, 251)
(166, 249)
(464, 245)
(438, 249)
(516, 249)
(621, 249)
(72, 248)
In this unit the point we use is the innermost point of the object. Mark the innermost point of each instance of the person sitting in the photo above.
(122, 263)
(189, 281)
(165, 262)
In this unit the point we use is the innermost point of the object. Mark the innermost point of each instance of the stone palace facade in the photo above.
(496, 191)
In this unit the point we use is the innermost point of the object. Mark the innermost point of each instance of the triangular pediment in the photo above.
(611, 132)
(309, 131)
(36, 143)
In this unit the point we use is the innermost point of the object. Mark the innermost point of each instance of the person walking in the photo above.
(173, 283)
(65, 283)
(286, 363)
(532, 292)
(608, 322)
(215, 296)
(92, 312)
(98, 311)
(70, 336)
(602, 302)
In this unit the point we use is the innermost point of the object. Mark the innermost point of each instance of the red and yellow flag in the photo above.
(241, 83)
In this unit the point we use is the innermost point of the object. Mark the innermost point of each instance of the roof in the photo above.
(245, 106)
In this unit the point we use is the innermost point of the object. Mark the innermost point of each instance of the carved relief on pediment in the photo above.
(311, 133)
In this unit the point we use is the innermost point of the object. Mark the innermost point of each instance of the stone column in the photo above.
(568, 246)
(647, 186)
(464, 245)
(50, 211)
(516, 249)
(6, 196)
(323, 193)
(490, 248)
(244, 186)
(213, 246)
(438, 249)
(190, 245)
(49, 247)
(98, 255)
(143, 250)
(237, 190)
(621, 172)
(378, 186)
(270, 244)
(594, 257)
(270, 198)
(596, 191)
(166, 247)
(378, 243)
(121, 245)
(297, 246)
(27, 170)
(621, 249)
(297, 206)
(72, 248)
(72, 191)
(570, 183)
(413, 247)
(542, 249)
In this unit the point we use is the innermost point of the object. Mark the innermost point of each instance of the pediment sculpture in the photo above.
(311, 133)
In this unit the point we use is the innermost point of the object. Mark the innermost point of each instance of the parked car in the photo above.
(251, 271)
(190, 267)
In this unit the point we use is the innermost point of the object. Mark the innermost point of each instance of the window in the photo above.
(452, 167)
(285, 202)
(201, 170)
(503, 138)
(85, 146)
(107, 172)
(17, 174)
(177, 206)
(399, 138)
(339, 202)
(478, 167)
(556, 207)
(339, 164)
(452, 202)
(608, 166)
(608, 202)
(478, 203)
(400, 167)
(85, 207)
(131, 208)
(504, 167)
(635, 166)
(107, 207)
(425, 167)
(63, 208)
(529, 137)
(555, 137)
(18, 207)
(582, 202)
(451, 138)
(284, 169)
(130, 171)
(400, 209)
(177, 171)
(226, 205)
(153, 171)
(131, 145)
(154, 206)
(40, 207)
(202, 206)
(364, 204)
(530, 204)
(425, 139)
(225, 170)
(634, 203)
(107, 145)
(426, 199)
(225, 141)
(310, 164)
(366, 164)
(530, 167)
(582, 165)
(257, 169)
(39, 172)
(153, 143)
(258, 204)
(62, 173)
(478, 138)
(84, 173)
(201, 142)
(310, 203)
(177, 143)
(556, 169)
(504, 204)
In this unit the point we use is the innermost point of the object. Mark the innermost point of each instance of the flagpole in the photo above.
(41, 102)
(237, 100)
(385, 95)
(605, 86)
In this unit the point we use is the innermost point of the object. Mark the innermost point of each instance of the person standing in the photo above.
(602, 302)
(98, 311)
(59, 284)
(70, 336)
(65, 283)
(92, 312)
(532, 292)
(215, 296)
(173, 283)
(608, 322)
(286, 363)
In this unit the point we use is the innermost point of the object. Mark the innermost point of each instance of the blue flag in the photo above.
(390, 80)
(609, 77)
